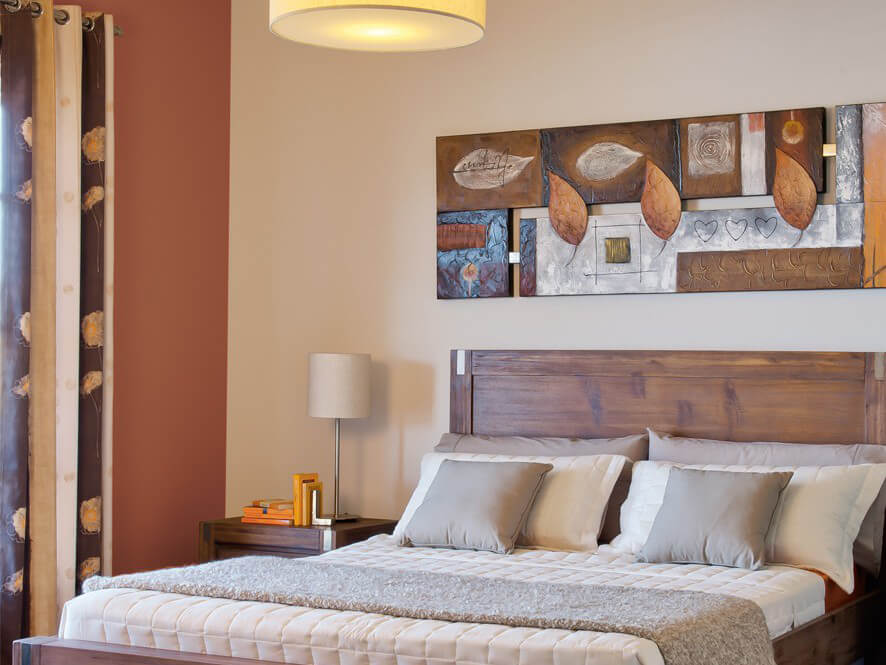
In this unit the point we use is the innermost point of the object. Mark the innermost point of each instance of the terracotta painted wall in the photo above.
(172, 111)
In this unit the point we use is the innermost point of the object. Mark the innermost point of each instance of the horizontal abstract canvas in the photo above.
(796, 240)
(472, 255)
(487, 171)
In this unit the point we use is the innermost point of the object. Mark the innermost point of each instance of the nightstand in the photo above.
(228, 538)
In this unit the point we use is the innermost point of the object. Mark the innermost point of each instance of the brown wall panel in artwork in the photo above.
(710, 156)
(461, 236)
(770, 269)
(606, 163)
(799, 134)
(172, 80)
(486, 171)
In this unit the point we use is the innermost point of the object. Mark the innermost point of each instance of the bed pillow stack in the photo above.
(566, 514)
(634, 447)
(814, 524)
(684, 450)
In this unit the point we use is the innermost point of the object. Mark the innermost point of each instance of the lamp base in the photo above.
(345, 517)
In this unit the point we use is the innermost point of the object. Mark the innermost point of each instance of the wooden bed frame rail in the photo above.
(797, 397)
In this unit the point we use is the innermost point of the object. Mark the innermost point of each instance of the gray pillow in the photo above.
(635, 447)
(683, 450)
(476, 505)
(715, 517)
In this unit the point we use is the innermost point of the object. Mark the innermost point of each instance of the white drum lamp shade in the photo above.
(338, 385)
(394, 25)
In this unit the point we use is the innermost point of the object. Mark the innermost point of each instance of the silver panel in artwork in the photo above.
(850, 224)
(849, 155)
(653, 262)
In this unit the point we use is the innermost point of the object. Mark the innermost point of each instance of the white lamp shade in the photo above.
(338, 385)
(393, 25)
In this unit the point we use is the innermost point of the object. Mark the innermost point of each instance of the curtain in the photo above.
(56, 291)
(95, 203)
(68, 81)
(16, 96)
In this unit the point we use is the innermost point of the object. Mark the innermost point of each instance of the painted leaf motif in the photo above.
(15, 582)
(660, 202)
(91, 382)
(604, 161)
(793, 191)
(89, 567)
(91, 515)
(26, 129)
(487, 169)
(568, 212)
(93, 145)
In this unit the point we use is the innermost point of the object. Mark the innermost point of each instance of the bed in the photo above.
(741, 396)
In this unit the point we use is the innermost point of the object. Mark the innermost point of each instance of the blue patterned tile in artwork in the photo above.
(475, 272)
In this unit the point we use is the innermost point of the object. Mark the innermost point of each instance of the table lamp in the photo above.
(338, 387)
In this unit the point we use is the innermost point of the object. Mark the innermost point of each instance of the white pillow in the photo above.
(814, 526)
(569, 508)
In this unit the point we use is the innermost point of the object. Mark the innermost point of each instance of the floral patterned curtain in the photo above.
(16, 86)
(92, 302)
(56, 184)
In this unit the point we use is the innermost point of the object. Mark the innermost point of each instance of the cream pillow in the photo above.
(814, 526)
(568, 510)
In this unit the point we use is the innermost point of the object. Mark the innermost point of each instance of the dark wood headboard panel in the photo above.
(741, 396)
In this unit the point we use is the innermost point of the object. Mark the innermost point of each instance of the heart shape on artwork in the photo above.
(736, 228)
(705, 230)
(766, 227)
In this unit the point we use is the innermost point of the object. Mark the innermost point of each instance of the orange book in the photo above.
(268, 513)
(279, 509)
(299, 479)
(274, 504)
(259, 520)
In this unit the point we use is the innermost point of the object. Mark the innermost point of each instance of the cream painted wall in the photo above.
(332, 231)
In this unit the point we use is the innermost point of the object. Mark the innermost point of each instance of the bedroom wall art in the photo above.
(800, 243)
(472, 254)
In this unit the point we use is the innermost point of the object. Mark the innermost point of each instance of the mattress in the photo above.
(280, 633)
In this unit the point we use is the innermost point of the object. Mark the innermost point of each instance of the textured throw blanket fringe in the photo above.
(689, 627)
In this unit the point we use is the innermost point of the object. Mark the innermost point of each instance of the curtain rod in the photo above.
(61, 16)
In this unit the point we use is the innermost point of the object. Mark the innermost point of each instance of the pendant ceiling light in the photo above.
(396, 25)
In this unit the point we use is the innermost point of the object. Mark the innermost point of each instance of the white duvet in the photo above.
(280, 633)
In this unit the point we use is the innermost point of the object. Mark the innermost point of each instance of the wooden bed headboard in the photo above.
(796, 397)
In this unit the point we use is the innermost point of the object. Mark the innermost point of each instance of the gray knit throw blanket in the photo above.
(689, 627)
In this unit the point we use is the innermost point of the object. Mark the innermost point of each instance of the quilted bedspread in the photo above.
(299, 634)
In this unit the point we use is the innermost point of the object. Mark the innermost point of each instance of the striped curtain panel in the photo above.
(84, 288)
(56, 230)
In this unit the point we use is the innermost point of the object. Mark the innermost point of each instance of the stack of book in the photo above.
(285, 512)
(269, 511)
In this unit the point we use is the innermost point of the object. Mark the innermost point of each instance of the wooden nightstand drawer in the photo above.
(261, 535)
(228, 538)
